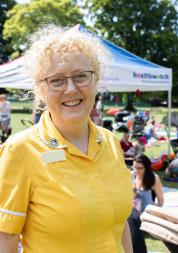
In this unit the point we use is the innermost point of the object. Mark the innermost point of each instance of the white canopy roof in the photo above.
(13, 75)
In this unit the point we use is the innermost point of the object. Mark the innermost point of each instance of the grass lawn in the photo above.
(16, 121)
(154, 245)
(153, 151)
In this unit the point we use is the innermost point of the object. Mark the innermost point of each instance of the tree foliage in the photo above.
(24, 19)
(147, 28)
(5, 5)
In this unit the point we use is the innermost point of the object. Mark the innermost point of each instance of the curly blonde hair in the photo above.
(52, 39)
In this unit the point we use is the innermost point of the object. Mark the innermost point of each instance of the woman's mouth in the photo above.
(72, 103)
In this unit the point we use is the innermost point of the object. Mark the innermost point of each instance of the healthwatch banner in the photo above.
(149, 76)
(118, 77)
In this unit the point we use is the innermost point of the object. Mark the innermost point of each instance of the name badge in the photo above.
(53, 156)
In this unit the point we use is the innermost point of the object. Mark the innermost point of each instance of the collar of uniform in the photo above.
(48, 131)
(95, 140)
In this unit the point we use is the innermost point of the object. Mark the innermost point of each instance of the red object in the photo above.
(164, 157)
(162, 138)
(129, 124)
(138, 93)
(157, 165)
(126, 146)
(113, 111)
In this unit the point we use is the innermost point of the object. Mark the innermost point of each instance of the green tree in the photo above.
(5, 5)
(147, 28)
(24, 19)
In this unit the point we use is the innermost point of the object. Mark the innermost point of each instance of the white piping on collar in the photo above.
(99, 139)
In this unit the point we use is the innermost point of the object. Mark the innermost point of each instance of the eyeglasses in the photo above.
(58, 82)
(138, 168)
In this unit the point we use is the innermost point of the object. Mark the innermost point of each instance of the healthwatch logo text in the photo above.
(150, 76)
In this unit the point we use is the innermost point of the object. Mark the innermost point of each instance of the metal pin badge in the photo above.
(53, 143)
(99, 139)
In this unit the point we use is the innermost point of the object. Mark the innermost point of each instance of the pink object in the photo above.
(148, 145)
(143, 140)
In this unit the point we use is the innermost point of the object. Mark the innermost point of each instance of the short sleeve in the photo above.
(15, 189)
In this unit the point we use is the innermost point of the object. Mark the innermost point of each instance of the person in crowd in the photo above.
(40, 106)
(147, 184)
(140, 146)
(99, 104)
(147, 189)
(172, 170)
(5, 111)
(96, 114)
(63, 182)
(149, 129)
(126, 145)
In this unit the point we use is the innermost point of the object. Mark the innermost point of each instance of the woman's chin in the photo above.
(74, 118)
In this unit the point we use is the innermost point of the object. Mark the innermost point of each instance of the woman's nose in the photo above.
(70, 86)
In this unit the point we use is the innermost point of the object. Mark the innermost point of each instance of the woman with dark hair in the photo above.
(146, 185)
(148, 190)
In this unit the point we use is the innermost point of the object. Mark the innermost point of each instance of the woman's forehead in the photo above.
(138, 163)
(68, 63)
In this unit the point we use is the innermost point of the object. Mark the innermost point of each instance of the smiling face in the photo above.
(73, 104)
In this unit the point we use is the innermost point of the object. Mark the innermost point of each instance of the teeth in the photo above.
(72, 103)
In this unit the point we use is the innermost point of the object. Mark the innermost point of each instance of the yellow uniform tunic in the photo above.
(77, 205)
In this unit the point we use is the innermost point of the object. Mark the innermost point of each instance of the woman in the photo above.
(148, 189)
(5, 117)
(37, 111)
(64, 185)
(146, 184)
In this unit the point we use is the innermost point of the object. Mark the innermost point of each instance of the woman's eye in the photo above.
(80, 77)
(57, 81)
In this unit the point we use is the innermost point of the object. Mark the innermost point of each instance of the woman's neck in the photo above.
(77, 134)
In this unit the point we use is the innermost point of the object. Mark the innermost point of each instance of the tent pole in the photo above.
(169, 120)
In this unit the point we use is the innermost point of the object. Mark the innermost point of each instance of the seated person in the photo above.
(96, 115)
(140, 146)
(146, 183)
(147, 189)
(127, 146)
(40, 107)
(149, 130)
(172, 170)
(5, 110)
